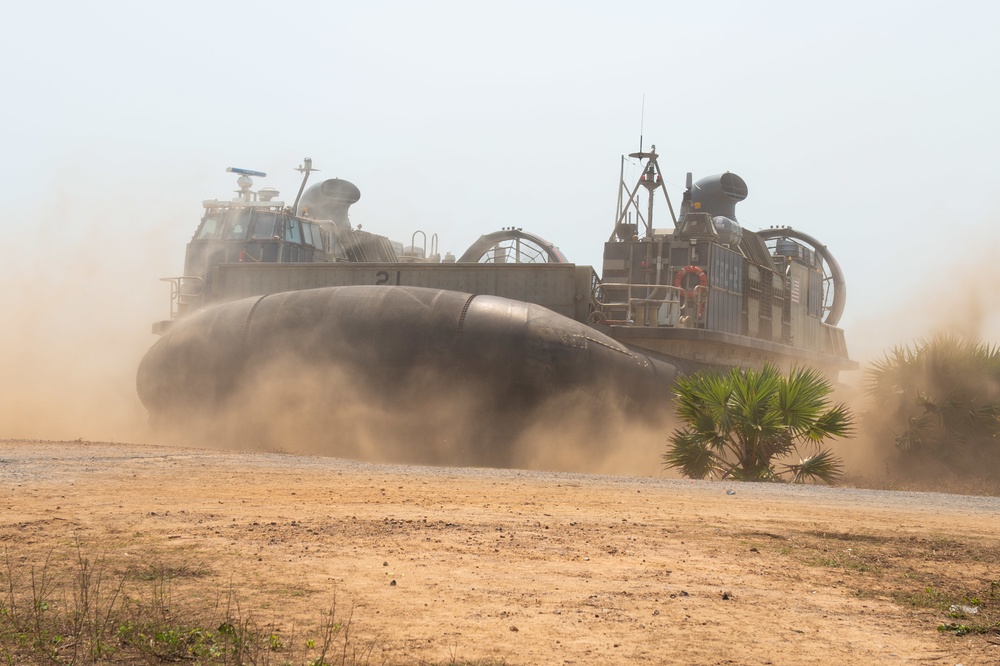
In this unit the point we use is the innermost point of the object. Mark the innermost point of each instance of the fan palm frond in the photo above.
(822, 466)
(691, 455)
(939, 399)
(740, 422)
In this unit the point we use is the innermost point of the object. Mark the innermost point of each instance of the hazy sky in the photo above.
(870, 125)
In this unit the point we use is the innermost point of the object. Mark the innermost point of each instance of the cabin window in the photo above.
(293, 232)
(210, 227)
(307, 233)
(263, 226)
(317, 235)
(239, 221)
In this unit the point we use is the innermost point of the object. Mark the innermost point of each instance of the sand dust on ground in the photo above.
(522, 567)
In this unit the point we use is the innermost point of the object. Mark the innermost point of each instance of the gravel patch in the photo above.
(37, 461)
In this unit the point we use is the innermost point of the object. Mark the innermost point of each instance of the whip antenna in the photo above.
(642, 120)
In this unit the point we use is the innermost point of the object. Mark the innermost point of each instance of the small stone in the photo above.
(656, 612)
(392, 583)
(513, 628)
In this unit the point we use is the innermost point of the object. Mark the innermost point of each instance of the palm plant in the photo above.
(940, 402)
(742, 424)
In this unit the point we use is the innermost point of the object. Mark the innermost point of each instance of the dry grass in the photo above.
(78, 608)
(883, 567)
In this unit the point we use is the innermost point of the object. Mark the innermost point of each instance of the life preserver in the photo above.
(689, 270)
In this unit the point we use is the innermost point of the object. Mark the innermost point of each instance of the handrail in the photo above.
(413, 242)
(651, 305)
(186, 292)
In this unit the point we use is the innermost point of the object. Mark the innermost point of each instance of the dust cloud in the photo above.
(81, 288)
(957, 300)
(292, 406)
(80, 291)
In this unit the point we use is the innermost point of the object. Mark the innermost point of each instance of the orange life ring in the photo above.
(689, 270)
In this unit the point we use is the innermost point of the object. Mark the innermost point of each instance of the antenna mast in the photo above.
(305, 169)
(642, 120)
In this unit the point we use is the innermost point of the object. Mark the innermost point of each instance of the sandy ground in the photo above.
(525, 567)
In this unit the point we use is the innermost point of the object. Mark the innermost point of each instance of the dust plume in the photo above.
(80, 291)
(956, 301)
(82, 287)
(293, 406)
(578, 432)
(955, 298)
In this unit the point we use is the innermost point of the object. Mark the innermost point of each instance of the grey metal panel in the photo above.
(611, 265)
(617, 269)
(727, 349)
(554, 286)
(806, 293)
(804, 328)
(724, 312)
(680, 257)
(725, 279)
(812, 333)
(641, 263)
(815, 293)
(752, 298)
(725, 270)
(779, 294)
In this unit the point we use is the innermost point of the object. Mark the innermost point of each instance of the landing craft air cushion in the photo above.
(293, 287)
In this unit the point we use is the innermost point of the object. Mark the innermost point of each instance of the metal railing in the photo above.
(648, 304)
(186, 292)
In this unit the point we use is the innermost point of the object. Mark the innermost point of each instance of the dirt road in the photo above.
(528, 567)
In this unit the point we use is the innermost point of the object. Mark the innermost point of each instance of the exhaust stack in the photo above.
(718, 195)
(329, 200)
